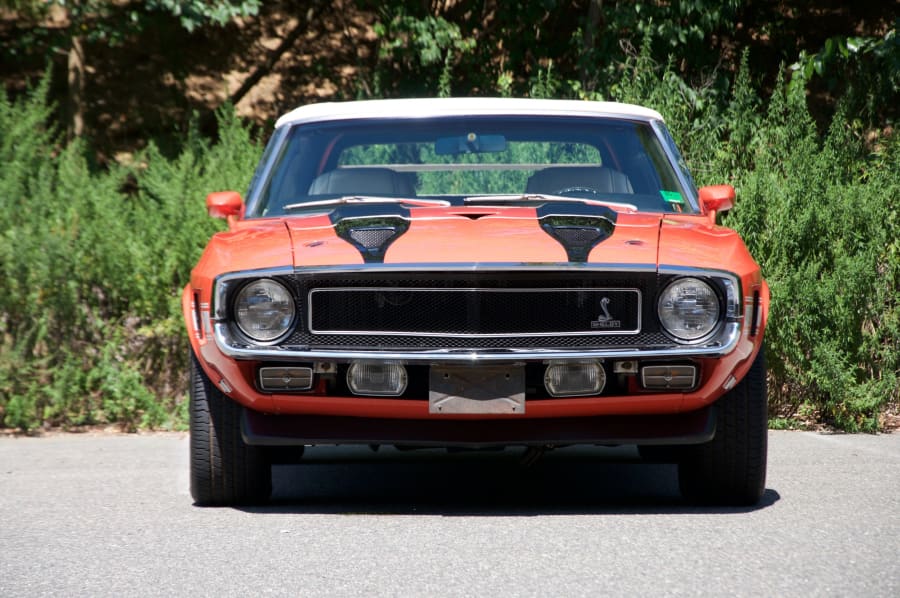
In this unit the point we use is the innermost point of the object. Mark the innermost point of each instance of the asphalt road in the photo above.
(86, 515)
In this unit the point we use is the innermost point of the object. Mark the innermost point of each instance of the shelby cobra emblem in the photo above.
(605, 320)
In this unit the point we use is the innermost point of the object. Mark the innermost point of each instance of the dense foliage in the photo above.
(93, 263)
(820, 214)
(93, 259)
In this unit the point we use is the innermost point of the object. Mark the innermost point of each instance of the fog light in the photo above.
(378, 379)
(675, 377)
(574, 379)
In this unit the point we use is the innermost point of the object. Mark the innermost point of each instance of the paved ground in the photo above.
(85, 515)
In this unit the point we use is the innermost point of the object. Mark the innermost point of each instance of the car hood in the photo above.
(476, 234)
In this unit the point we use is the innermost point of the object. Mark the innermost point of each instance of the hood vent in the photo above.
(578, 234)
(371, 236)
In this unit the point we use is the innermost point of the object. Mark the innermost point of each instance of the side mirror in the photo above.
(715, 199)
(225, 204)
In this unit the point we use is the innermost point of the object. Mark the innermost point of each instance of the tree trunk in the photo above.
(76, 88)
(269, 63)
(592, 27)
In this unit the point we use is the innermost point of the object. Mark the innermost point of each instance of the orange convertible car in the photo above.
(476, 273)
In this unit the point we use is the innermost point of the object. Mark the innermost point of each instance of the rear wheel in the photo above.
(224, 470)
(731, 468)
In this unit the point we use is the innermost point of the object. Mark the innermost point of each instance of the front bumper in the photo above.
(232, 364)
(723, 344)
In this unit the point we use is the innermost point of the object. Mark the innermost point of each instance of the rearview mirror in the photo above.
(471, 143)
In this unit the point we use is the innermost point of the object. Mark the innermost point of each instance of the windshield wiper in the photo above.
(366, 199)
(544, 197)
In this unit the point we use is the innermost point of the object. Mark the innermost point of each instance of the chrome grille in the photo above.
(522, 315)
(474, 311)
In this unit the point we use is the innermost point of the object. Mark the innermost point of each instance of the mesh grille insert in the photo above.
(576, 235)
(473, 312)
(371, 237)
(417, 316)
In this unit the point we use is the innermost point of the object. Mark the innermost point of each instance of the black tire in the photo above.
(224, 470)
(731, 468)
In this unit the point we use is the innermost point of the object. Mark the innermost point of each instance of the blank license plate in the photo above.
(481, 389)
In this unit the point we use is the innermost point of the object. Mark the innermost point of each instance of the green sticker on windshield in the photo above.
(672, 197)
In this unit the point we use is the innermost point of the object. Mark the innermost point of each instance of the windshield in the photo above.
(465, 161)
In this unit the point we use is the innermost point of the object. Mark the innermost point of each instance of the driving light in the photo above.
(574, 379)
(688, 309)
(264, 310)
(377, 379)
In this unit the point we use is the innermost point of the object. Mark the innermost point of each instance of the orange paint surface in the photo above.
(316, 244)
(476, 235)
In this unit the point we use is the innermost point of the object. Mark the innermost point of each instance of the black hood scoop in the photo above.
(578, 230)
(371, 234)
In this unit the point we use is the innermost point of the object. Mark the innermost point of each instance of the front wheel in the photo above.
(731, 468)
(224, 470)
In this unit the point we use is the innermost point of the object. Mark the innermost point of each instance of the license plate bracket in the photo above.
(477, 389)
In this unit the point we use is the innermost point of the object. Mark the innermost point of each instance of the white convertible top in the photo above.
(432, 107)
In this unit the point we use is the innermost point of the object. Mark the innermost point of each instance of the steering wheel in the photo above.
(577, 190)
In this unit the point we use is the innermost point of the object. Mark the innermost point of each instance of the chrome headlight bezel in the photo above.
(280, 310)
(711, 322)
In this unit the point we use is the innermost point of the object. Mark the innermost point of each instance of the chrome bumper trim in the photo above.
(723, 344)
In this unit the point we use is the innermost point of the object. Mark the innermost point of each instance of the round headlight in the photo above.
(688, 309)
(264, 310)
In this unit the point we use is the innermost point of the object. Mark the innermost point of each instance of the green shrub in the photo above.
(90, 324)
(821, 218)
